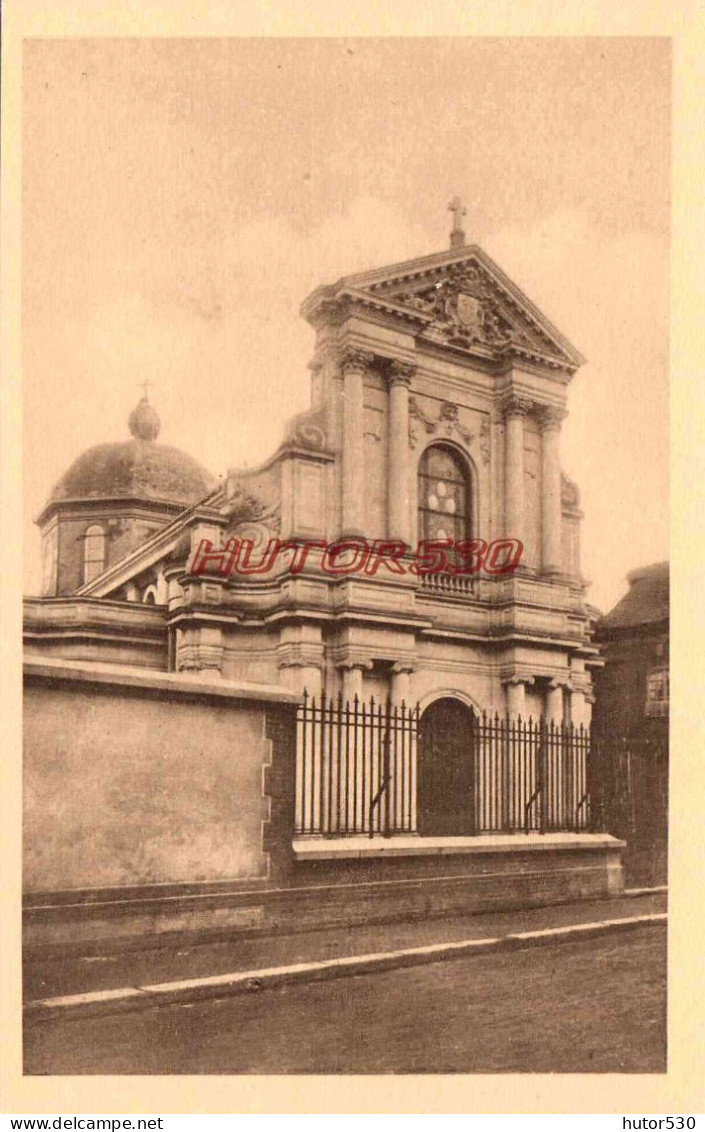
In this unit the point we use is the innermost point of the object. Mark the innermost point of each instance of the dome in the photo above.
(138, 468)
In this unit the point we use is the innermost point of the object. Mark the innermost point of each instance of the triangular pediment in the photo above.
(461, 299)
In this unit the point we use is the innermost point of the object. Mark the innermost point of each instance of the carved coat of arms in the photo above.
(463, 304)
(470, 313)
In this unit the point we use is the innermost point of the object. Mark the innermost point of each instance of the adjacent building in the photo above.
(633, 686)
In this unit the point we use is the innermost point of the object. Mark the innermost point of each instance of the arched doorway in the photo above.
(445, 786)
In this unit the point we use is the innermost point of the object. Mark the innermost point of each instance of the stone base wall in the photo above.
(327, 894)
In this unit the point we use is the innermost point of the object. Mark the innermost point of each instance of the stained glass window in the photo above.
(444, 495)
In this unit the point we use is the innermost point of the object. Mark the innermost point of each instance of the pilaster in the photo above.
(199, 649)
(300, 658)
(515, 687)
(399, 508)
(551, 550)
(355, 364)
(401, 683)
(554, 700)
(515, 409)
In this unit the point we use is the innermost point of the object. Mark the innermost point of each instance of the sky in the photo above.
(181, 197)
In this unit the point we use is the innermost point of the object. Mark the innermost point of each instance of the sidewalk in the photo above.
(53, 977)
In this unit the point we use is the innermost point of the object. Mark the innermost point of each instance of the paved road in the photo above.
(169, 960)
(596, 1006)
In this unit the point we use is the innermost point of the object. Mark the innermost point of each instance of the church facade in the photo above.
(221, 729)
(438, 391)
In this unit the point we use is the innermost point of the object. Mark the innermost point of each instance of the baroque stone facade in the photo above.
(441, 355)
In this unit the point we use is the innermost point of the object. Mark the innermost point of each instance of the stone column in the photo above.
(398, 514)
(355, 364)
(352, 681)
(401, 684)
(514, 413)
(581, 707)
(300, 658)
(551, 519)
(299, 677)
(516, 695)
(554, 702)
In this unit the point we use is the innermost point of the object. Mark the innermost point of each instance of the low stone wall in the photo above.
(158, 804)
(134, 778)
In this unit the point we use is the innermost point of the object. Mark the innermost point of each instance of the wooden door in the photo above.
(445, 798)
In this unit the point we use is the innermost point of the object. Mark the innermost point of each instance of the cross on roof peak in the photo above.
(144, 386)
(457, 235)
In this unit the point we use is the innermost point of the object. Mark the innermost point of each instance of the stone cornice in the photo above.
(160, 683)
(129, 504)
(300, 654)
(91, 616)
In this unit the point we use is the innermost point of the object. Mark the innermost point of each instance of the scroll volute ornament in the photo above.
(551, 417)
(359, 361)
(517, 406)
(400, 373)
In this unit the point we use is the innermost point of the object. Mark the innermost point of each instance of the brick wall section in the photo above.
(279, 787)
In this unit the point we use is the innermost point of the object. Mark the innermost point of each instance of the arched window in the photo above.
(444, 495)
(93, 552)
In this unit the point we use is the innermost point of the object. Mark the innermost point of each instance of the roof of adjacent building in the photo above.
(646, 602)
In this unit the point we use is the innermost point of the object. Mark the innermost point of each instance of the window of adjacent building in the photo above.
(93, 552)
(657, 692)
(50, 547)
(444, 495)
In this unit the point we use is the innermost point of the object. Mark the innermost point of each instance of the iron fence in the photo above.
(358, 770)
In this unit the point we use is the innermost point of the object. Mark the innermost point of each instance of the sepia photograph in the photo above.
(345, 396)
